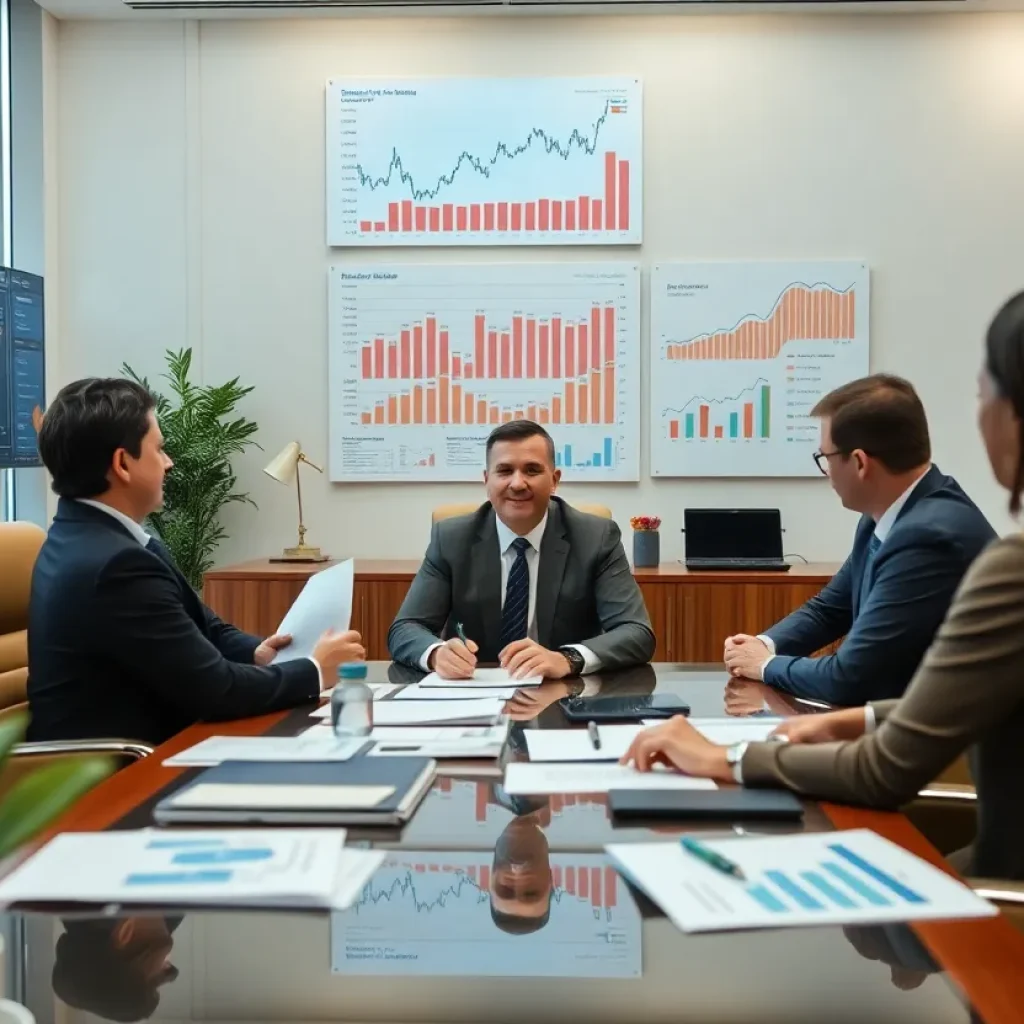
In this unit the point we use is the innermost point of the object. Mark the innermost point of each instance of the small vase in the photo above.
(646, 549)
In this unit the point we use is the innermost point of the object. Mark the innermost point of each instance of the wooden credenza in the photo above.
(692, 612)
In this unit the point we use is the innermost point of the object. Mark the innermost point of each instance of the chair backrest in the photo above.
(463, 508)
(19, 547)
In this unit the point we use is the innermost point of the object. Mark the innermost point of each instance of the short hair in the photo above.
(519, 430)
(83, 427)
(883, 416)
(1004, 363)
(519, 924)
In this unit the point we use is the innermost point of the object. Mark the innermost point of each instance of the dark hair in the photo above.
(883, 416)
(83, 427)
(519, 430)
(1004, 363)
(519, 924)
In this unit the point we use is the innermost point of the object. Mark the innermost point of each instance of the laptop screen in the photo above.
(733, 533)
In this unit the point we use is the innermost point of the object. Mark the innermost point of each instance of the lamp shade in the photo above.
(283, 466)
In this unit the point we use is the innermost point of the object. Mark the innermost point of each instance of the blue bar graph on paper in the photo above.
(607, 451)
(208, 877)
(226, 856)
(793, 891)
(768, 899)
(880, 876)
(603, 459)
(180, 844)
(827, 889)
(734, 424)
(876, 899)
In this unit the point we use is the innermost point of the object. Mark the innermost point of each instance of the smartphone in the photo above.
(629, 709)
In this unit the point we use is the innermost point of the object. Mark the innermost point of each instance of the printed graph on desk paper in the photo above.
(429, 913)
(483, 161)
(426, 360)
(741, 353)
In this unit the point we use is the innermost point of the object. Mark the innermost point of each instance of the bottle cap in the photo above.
(352, 670)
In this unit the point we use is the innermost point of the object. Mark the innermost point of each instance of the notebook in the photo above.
(364, 791)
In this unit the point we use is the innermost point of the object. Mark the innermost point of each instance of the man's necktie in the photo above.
(869, 560)
(515, 614)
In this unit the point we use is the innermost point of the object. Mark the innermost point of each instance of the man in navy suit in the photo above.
(119, 644)
(917, 535)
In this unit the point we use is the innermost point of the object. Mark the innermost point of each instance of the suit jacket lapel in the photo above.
(486, 570)
(554, 551)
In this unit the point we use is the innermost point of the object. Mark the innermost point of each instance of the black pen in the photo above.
(595, 739)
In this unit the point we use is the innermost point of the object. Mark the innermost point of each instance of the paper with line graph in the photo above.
(430, 913)
(484, 161)
(425, 360)
(741, 353)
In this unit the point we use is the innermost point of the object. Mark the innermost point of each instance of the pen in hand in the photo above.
(595, 737)
(461, 633)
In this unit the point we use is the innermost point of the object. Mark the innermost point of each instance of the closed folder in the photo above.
(730, 804)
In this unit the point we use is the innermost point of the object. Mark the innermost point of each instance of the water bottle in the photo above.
(351, 702)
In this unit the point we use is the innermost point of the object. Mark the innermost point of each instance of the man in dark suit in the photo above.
(119, 644)
(917, 536)
(536, 585)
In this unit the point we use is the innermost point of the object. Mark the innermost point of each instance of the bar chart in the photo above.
(492, 161)
(740, 355)
(430, 912)
(426, 355)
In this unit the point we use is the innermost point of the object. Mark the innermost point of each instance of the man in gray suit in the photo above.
(535, 585)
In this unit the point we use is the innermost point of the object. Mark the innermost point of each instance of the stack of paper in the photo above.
(438, 712)
(322, 745)
(483, 677)
(466, 742)
(823, 878)
(282, 868)
(525, 779)
(466, 691)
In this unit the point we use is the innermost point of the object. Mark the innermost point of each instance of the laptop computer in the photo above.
(734, 538)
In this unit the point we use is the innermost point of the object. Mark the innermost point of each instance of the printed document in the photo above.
(324, 603)
(524, 778)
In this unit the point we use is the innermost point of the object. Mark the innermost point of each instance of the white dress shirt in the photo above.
(506, 538)
(883, 525)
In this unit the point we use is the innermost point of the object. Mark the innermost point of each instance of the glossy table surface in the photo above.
(493, 908)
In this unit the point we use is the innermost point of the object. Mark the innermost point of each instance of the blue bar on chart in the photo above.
(876, 899)
(768, 899)
(178, 844)
(827, 889)
(793, 891)
(734, 424)
(602, 460)
(869, 869)
(223, 856)
(689, 425)
(208, 877)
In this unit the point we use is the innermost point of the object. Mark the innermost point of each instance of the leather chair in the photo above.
(463, 508)
(19, 548)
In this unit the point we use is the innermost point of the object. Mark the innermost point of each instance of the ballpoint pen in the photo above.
(712, 859)
(595, 738)
(462, 633)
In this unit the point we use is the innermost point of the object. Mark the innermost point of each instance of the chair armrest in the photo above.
(132, 749)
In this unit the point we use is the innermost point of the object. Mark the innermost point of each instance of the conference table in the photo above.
(422, 944)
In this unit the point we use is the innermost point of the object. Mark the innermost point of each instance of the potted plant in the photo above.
(200, 437)
(34, 802)
(646, 541)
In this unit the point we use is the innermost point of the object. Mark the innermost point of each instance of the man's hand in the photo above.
(332, 649)
(524, 658)
(678, 745)
(836, 725)
(264, 654)
(454, 659)
(745, 656)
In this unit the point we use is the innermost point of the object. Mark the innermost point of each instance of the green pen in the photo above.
(712, 859)
(462, 633)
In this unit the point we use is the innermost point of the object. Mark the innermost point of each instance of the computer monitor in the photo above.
(733, 533)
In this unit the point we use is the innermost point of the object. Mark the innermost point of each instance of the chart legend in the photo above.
(440, 161)
(429, 355)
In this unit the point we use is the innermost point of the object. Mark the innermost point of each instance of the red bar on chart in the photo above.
(609, 190)
(673, 429)
(478, 356)
(583, 349)
(431, 405)
(531, 217)
(595, 396)
(378, 413)
(456, 403)
(556, 877)
(392, 361)
(517, 217)
(393, 216)
(544, 344)
(570, 398)
(421, 218)
(543, 223)
(570, 215)
(556, 214)
(468, 417)
(380, 225)
(431, 347)
(461, 218)
(609, 393)
(570, 881)
(474, 216)
(378, 358)
(503, 216)
(444, 352)
(556, 347)
(718, 431)
(506, 355)
(531, 413)
(584, 213)
(366, 225)
(704, 414)
(442, 412)
(595, 337)
(417, 351)
(584, 884)
(517, 347)
(367, 362)
(748, 419)
(569, 363)
(596, 215)
(531, 348)
(407, 215)
(623, 195)
(392, 409)
(595, 887)
(492, 355)
(543, 414)
(556, 410)
(583, 395)
(488, 216)
(447, 217)
(609, 334)
(417, 404)
(456, 360)
(485, 878)
(404, 405)
(435, 218)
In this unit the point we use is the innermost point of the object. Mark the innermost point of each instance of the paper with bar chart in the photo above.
(822, 878)
(484, 161)
(740, 354)
(430, 913)
(426, 360)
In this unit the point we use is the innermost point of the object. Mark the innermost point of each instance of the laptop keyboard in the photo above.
(726, 563)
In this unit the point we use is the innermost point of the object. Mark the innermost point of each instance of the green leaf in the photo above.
(40, 798)
(12, 732)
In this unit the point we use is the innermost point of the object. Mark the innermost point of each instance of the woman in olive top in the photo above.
(967, 693)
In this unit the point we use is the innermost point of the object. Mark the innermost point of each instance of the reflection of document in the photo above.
(472, 741)
(522, 779)
(429, 914)
(736, 730)
(418, 692)
(823, 878)
(306, 868)
(320, 746)
(425, 712)
(483, 677)
(324, 603)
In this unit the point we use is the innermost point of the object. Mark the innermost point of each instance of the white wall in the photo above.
(191, 195)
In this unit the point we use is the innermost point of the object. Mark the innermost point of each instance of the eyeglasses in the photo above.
(821, 459)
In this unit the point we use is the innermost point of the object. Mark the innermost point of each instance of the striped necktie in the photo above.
(516, 612)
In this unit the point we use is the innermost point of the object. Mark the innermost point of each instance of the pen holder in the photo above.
(646, 549)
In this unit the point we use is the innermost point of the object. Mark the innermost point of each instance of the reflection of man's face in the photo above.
(521, 876)
(145, 943)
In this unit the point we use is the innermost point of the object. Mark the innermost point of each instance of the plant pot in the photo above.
(14, 1013)
(646, 549)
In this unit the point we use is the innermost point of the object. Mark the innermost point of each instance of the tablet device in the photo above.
(623, 709)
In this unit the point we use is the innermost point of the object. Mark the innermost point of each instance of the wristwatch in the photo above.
(734, 757)
(576, 661)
